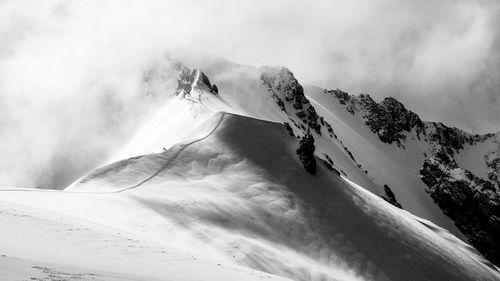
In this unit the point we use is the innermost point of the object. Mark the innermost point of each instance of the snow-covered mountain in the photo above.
(245, 174)
(400, 150)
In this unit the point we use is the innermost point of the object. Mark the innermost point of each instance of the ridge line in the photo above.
(162, 168)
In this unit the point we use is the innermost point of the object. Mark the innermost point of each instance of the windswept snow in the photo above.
(211, 188)
(37, 244)
(229, 207)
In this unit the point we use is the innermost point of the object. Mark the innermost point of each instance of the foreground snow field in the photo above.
(230, 206)
(42, 245)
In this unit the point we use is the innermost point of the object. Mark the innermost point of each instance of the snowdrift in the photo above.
(229, 205)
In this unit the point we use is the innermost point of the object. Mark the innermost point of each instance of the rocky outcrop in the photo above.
(388, 119)
(161, 77)
(285, 88)
(471, 202)
(289, 129)
(185, 79)
(306, 153)
(188, 79)
(341, 95)
(447, 137)
(390, 197)
(203, 79)
(446, 141)
(392, 122)
(450, 139)
(329, 128)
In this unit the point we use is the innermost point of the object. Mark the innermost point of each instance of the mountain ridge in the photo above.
(238, 193)
(388, 119)
(222, 172)
(391, 122)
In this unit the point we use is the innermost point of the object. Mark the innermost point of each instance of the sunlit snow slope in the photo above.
(212, 189)
(240, 196)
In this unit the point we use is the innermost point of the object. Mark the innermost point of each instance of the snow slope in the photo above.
(386, 163)
(211, 188)
(37, 244)
(239, 197)
(392, 144)
(473, 157)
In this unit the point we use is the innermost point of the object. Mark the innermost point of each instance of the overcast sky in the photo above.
(65, 65)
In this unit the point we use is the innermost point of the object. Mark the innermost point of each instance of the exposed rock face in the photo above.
(390, 197)
(289, 129)
(206, 82)
(285, 88)
(492, 159)
(471, 202)
(449, 140)
(160, 78)
(215, 89)
(341, 95)
(185, 79)
(393, 119)
(392, 122)
(306, 153)
(188, 78)
(388, 119)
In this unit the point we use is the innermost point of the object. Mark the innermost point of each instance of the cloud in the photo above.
(70, 70)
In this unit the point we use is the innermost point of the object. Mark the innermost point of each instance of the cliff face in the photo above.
(472, 203)
(285, 87)
(388, 119)
(188, 78)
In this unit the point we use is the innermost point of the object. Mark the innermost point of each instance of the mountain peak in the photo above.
(188, 79)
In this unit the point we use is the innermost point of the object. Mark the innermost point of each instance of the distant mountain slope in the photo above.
(393, 140)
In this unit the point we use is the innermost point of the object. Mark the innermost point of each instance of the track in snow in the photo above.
(169, 161)
(172, 158)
